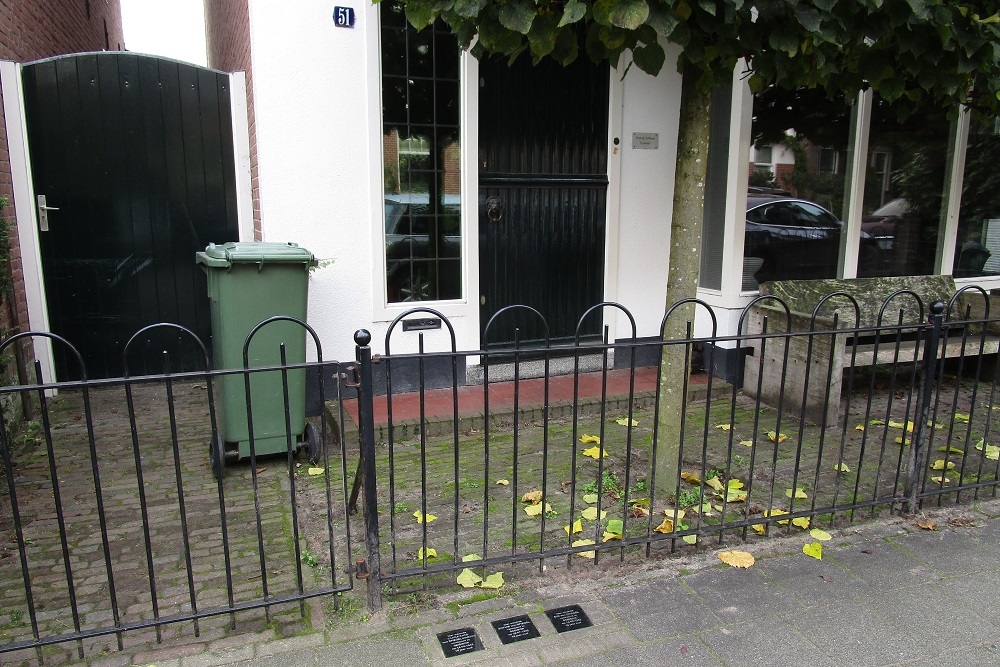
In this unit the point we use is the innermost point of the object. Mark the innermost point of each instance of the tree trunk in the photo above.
(682, 276)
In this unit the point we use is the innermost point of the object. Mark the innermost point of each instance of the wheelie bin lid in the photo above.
(254, 252)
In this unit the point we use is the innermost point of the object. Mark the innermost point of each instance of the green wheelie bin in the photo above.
(249, 282)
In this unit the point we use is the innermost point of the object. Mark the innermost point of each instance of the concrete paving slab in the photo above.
(933, 613)
(977, 592)
(764, 642)
(741, 595)
(383, 650)
(948, 552)
(659, 609)
(812, 581)
(855, 635)
(883, 565)
(689, 652)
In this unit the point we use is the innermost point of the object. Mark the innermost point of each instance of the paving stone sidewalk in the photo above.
(885, 593)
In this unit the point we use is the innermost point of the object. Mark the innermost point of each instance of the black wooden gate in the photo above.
(134, 156)
(543, 180)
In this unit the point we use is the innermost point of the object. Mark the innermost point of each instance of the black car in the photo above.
(795, 238)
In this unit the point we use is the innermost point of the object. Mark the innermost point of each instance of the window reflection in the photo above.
(904, 185)
(977, 248)
(421, 158)
(796, 186)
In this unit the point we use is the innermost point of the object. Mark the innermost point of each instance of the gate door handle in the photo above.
(494, 211)
(43, 213)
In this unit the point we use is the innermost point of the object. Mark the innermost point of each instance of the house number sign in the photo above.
(343, 17)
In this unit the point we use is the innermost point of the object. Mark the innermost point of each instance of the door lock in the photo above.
(43, 213)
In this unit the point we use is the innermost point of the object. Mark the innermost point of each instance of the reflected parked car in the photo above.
(796, 238)
(423, 260)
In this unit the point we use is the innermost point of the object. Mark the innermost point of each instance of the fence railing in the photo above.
(117, 520)
(140, 508)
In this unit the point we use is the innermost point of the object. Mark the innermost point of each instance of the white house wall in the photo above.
(650, 105)
(318, 124)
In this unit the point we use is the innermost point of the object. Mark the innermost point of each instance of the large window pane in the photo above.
(421, 158)
(977, 248)
(796, 184)
(904, 186)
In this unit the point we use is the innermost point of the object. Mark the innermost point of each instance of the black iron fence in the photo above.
(134, 510)
(126, 511)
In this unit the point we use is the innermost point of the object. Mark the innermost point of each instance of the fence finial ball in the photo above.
(937, 308)
(362, 337)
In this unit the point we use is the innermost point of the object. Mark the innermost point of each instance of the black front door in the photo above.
(136, 153)
(543, 133)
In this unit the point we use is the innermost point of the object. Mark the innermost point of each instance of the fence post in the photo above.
(366, 428)
(922, 411)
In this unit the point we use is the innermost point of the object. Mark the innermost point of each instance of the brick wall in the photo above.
(31, 30)
(227, 37)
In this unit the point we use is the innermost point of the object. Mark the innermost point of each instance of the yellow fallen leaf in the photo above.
(860, 427)
(494, 581)
(431, 553)
(735, 484)
(595, 452)
(674, 514)
(820, 535)
(802, 522)
(590, 498)
(952, 450)
(841, 467)
(419, 516)
(715, 484)
(992, 452)
(536, 509)
(941, 480)
(591, 514)
(902, 441)
(533, 497)
(577, 527)
(814, 549)
(962, 417)
(724, 427)
(734, 558)
(666, 527)
(590, 438)
(623, 421)
(876, 422)
(773, 436)
(908, 426)
(468, 578)
(926, 524)
(799, 493)
(691, 477)
(941, 464)
(746, 443)
(316, 471)
(777, 512)
(608, 536)
(471, 557)
(503, 482)
(584, 554)
(690, 539)
(735, 496)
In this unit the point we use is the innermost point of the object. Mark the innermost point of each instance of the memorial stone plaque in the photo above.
(568, 618)
(515, 629)
(458, 642)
